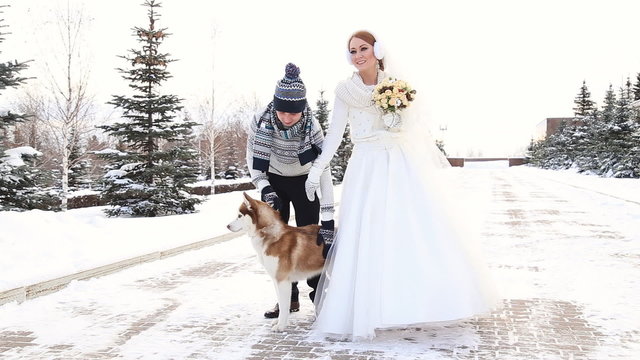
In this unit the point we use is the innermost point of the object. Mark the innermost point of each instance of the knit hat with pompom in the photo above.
(291, 94)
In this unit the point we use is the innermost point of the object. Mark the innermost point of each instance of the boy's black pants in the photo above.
(290, 190)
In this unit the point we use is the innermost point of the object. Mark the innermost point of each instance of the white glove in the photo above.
(313, 182)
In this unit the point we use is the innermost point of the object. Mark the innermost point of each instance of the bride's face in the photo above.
(361, 54)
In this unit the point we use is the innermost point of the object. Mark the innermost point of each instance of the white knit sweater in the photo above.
(284, 162)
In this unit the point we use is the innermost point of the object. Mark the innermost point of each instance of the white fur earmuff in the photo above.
(378, 50)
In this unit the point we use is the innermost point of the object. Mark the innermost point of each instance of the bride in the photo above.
(400, 256)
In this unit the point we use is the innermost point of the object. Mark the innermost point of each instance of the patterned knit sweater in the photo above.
(284, 162)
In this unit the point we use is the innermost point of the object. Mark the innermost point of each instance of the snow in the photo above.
(40, 245)
(83, 192)
(115, 174)
(493, 164)
(206, 183)
(109, 151)
(37, 246)
(13, 156)
(623, 188)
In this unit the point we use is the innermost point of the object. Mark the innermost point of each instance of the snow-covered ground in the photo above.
(563, 249)
(625, 189)
(38, 245)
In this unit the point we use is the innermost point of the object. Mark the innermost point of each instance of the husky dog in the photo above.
(287, 253)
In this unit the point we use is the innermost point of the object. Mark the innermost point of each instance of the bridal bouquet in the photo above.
(391, 96)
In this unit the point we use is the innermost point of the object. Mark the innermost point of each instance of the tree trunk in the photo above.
(65, 172)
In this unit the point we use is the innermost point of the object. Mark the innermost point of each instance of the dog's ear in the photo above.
(247, 199)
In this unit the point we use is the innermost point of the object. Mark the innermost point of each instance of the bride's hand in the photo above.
(313, 182)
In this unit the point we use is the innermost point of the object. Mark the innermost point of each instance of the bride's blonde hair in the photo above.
(369, 39)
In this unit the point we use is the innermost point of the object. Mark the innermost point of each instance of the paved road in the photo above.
(568, 274)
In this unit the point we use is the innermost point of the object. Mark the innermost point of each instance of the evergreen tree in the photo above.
(341, 158)
(601, 133)
(579, 136)
(585, 140)
(560, 148)
(80, 166)
(584, 104)
(632, 159)
(605, 142)
(609, 108)
(612, 133)
(621, 134)
(17, 177)
(322, 112)
(150, 177)
(440, 145)
(96, 163)
(343, 154)
(10, 78)
(537, 153)
(636, 88)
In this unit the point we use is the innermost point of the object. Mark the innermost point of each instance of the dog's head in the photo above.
(253, 214)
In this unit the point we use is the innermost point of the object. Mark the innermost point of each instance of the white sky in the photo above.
(495, 68)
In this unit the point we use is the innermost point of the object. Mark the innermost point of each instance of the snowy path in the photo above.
(566, 260)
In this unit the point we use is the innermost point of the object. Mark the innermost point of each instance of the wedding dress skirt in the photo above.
(399, 257)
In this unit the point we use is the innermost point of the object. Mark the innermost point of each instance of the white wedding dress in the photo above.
(398, 257)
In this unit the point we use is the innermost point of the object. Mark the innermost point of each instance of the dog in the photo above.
(287, 253)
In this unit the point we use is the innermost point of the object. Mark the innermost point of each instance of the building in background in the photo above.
(549, 126)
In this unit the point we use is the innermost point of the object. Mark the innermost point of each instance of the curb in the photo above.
(50, 286)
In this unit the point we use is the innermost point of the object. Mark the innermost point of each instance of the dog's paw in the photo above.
(279, 325)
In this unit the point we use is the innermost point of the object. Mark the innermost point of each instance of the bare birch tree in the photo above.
(210, 131)
(70, 109)
(209, 126)
(222, 137)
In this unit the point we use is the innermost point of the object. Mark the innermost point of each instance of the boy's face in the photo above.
(288, 119)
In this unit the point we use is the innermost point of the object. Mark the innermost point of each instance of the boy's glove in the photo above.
(270, 197)
(326, 236)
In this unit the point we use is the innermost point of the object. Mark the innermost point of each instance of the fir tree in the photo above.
(10, 78)
(584, 104)
(343, 154)
(322, 112)
(605, 142)
(578, 134)
(621, 134)
(560, 148)
(632, 159)
(612, 133)
(149, 178)
(80, 166)
(601, 133)
(537, 153)
(341, 158)
(636, 88)
(585, 141)
(609, 108)
(440, 145)
(17, 177)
